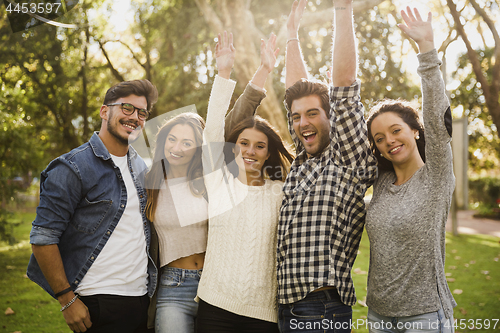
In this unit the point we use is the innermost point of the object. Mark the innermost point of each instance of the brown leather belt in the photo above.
(323, 288)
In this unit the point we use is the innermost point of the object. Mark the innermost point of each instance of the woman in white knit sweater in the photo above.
(237, 292)
(178, 210)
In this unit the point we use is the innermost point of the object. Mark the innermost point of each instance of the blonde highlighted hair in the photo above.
(159, 170)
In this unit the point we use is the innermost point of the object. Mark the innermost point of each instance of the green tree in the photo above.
(51, 67)
(49, 96)
(486, 71)
(380, 60)
(484, 144)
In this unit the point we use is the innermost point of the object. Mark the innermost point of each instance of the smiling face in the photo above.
(395, 139)
(311, 124)
(251, 152)
(180, 147)
(124, 129)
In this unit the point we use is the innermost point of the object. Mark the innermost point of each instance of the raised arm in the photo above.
(244, 107)
(348, 124)
(220, 97)
(344, 62)
(268, 54)
(295, 66)
(254, 93)
(435, 104)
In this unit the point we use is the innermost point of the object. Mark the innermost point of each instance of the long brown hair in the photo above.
(280, 155)
(410, 116)
(158, 172)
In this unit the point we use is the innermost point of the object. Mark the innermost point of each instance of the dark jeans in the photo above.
(319, 311)
(212, 319)
(112, 313)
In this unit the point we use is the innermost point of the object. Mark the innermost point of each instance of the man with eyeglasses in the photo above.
(90, 238)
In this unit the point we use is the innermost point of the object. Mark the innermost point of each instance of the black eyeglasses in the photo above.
(129, 110)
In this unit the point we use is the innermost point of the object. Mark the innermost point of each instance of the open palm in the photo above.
(415, 27)
(268, 53)
(294, 18)
(225, 52)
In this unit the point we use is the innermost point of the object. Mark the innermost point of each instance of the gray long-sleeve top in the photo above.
(406, 223)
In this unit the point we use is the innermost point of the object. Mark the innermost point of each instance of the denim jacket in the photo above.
(82, 198)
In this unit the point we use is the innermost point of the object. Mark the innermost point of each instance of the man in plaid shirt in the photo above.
(323, 212)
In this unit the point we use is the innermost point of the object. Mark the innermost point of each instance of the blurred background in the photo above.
(53, 79)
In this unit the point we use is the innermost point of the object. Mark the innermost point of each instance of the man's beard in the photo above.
(114, 132)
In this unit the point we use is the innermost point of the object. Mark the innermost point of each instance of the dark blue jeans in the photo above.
(319, 311)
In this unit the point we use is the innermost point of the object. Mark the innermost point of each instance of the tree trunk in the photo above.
(83, 73)
(236, 17)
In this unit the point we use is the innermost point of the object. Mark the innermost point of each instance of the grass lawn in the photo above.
(472, 267)
(473, 271)
(34, 310)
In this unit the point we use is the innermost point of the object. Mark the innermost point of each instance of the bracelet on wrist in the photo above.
(62, 292)
(69, 303)
(292, 39)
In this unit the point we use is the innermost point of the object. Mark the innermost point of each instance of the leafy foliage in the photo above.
(484, 143)
(485, 194)
(52, 80)
(183, 69)
(47, 94)
(42, 71)
(381, 74)
(7, 227)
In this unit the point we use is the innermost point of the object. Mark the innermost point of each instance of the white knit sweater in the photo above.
(239, 274)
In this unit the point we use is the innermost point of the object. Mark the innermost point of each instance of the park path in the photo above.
(468, 224)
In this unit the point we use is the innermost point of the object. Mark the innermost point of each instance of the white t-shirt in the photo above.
(121, 267)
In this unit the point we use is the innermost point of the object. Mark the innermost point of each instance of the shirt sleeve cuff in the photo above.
(346, 92)
(225, 83)
(256, 87)
(43, 236)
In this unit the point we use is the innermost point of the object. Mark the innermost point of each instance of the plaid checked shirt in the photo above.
(323, 211)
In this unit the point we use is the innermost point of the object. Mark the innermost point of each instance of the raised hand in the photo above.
(268, 56)
(417, 29)
(268, 53)
(294, 18)
(224, 54)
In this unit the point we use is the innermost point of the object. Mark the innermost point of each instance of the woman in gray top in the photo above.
(406, 218)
